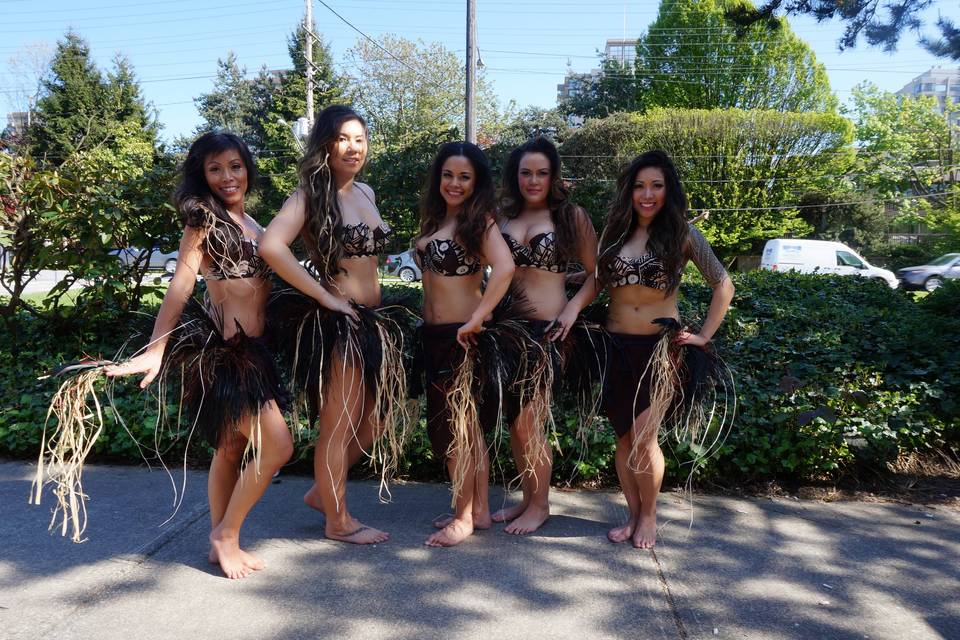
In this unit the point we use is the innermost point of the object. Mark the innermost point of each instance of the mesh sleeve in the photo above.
(702, 255)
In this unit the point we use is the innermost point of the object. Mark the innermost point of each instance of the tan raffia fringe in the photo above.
(701, 422)
(664, 380)
(537, 394)
(466, 448)
(392, 407)
(64, 450)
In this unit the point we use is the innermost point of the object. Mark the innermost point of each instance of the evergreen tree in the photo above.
(83, 110)
(230, 105)
(881, 22)
(282, 96)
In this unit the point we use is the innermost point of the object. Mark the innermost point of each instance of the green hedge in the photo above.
(833, 374)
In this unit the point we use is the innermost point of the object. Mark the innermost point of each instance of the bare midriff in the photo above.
(634, 307)
(358, 280)
(450, 299)
(544, 290)
(241, 300)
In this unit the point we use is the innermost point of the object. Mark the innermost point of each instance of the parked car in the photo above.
(931, 275)
(821, 256)
(404, 266)
(158, 259)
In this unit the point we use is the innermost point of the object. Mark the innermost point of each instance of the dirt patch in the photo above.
(914, 479)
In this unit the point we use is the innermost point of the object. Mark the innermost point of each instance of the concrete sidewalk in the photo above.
(744, 568)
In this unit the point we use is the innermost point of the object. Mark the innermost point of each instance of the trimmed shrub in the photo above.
(834, 374)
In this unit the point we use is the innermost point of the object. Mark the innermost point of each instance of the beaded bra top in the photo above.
(232, 254)
(448, 258)
(539, 253)
(359, 240)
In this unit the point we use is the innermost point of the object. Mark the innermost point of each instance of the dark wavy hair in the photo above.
(472, 217)
(563, 212)
(193, 197)
(323, 219)
(668, 230)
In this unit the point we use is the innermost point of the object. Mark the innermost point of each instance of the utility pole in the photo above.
(308, 28)
(471, 124)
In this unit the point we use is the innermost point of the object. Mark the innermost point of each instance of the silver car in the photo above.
(404, 266)
(158, 259)
(931, 275)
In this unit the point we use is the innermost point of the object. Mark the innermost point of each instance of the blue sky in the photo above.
(526, 46)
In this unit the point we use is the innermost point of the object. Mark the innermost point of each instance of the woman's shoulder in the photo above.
(295, 201)
(694, 237)
(580, 215)
(365, 189)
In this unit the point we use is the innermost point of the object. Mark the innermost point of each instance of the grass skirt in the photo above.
(476, 393)
(310, 339)
(688, 390)
(222, 382)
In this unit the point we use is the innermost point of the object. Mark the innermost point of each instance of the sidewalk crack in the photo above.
(681, 629)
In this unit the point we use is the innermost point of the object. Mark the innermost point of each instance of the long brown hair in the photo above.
(472, 217)
(323, 219)
(668, 230)
(563, 212)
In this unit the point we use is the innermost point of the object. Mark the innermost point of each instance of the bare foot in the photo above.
(451, 535)
(645, 535)
(508, 514)
(227, 550)
(531, 520)
(623, 532)
(312, 499)
(252, 561)
(480, 521)
(357, 533)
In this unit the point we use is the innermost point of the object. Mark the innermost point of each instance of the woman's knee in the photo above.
(230, 449)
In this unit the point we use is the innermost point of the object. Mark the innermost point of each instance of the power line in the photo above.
(819, 206)
(381, 47)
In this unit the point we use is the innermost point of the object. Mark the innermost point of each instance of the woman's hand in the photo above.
(695, 339)
(148, 362)
(467, 334)
(340, 305)
(559, 329)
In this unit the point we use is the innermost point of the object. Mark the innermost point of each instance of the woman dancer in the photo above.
(645, 244)
(545, 231)
(458, 236)
(335, 345)
(230, 382)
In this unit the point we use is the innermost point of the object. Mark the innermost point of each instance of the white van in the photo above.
(820, 256)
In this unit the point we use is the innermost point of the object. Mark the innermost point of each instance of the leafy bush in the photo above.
(833, 371)
(833, 374)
